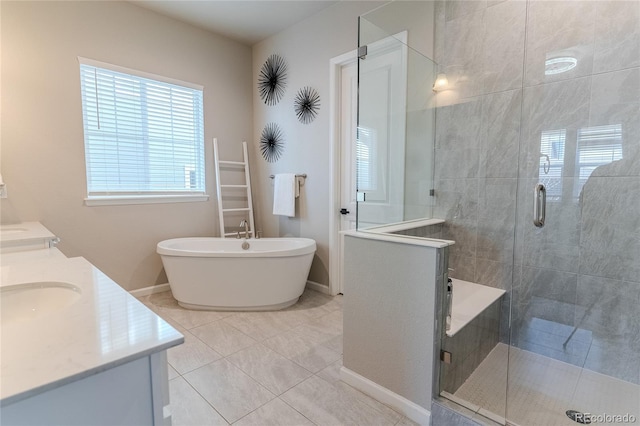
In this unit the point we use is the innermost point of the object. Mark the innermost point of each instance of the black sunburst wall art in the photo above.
(307, 104)
(272, 79)
(271, 142)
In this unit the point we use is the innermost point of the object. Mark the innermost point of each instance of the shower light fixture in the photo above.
(441, 82)
(559, 65)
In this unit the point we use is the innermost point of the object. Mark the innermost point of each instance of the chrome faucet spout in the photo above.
(245, 224)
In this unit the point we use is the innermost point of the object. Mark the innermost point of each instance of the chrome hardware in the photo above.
(449, 304)
(238, 235)
(547, 164)
(298, 175)
(54, 242)
(258, 235)
(245, 224)
(362, 52)
(245, 245)
(539, 205)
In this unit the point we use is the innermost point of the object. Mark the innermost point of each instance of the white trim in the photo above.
(160, 288)
(396, 238)
(335, 65)
(399, 403)
(402, 226)
(120, 200)
(143, 74)
(318, 287)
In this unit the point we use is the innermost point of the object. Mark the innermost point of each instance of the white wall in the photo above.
(307, 48)
(389, 311)
(42, 137)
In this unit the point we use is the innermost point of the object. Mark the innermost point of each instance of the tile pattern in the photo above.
(582, 269)
(264, 368)
(470, 346)
(542, 389)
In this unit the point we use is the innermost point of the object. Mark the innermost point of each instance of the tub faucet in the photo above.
(246, 228)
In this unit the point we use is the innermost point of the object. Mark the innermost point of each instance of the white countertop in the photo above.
(102, 328)
(395, 238)
(30, 256)
(24, 232)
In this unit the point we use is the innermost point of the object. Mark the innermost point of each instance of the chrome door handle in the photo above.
(539, 205)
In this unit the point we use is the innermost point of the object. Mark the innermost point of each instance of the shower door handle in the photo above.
(539, 205)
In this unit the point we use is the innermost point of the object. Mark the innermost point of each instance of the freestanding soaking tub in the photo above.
(218, 274)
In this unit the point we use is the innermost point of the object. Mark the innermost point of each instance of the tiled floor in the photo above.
(264, 368)
(542, 389)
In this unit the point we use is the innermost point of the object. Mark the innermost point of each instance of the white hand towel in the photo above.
(284, 194)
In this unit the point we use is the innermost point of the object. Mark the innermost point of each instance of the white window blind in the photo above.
(366, 159)
(552, 156)
(143, 133)
(597, 146)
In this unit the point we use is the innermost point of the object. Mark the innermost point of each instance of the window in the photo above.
(552, 156)
(143, 134)
(597, 146)
(366, 159)
(560, 156)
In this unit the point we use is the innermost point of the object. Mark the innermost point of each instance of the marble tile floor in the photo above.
(264, 368)
(542, 389)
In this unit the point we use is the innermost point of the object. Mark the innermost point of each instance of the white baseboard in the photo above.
(149, 290)
(318, 287)
(399, 403)
(165, 287)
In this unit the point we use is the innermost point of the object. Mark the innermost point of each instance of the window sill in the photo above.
(120, 200)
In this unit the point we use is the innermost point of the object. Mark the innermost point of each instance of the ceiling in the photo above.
(248, 21)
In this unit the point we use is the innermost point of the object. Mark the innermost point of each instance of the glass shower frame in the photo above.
(567, 303)
(396, 128)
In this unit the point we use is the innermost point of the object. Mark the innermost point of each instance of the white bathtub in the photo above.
(217, 274)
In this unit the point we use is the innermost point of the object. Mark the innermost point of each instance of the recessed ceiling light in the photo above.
(559, 65)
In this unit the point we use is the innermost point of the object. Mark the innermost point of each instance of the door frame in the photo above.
(335, 162)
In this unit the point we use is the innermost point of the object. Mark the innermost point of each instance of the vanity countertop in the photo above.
(24, 231)
(94, 325)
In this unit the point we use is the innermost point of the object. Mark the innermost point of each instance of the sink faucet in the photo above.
(246, 228)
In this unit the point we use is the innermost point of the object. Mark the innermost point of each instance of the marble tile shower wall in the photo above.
(582, 269)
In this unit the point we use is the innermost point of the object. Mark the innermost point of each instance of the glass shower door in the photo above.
(575, 324)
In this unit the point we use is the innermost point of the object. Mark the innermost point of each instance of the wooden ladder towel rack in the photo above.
(243, 165)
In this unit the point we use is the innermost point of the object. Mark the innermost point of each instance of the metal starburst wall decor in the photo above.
(272, 79)
(271, 142)
(307, 104)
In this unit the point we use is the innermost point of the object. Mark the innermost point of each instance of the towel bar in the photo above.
(303, 175)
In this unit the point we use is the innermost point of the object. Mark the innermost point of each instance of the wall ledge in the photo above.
(395, 238)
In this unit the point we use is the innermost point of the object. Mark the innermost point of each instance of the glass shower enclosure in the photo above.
(529, 159)
(396, 123)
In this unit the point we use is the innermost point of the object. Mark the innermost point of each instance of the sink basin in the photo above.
(28, 301)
